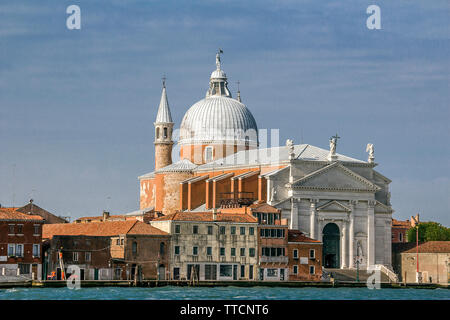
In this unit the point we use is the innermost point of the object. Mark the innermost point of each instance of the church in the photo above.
(341, 201)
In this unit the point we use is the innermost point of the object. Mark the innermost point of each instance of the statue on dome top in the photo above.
(218, 58)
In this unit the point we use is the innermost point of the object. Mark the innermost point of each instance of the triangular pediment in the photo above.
(335, 177)
(334, 206)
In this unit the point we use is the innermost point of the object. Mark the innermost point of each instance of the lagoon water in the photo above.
(225, 293)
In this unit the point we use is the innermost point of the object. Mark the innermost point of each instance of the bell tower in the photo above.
(163, 132)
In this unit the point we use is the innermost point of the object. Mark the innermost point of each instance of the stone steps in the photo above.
(350, 275)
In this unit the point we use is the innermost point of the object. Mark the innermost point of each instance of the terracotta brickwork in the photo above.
(163, 155)
(305, 255)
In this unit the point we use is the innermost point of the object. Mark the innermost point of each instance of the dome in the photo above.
(218, 74)
(218, 119)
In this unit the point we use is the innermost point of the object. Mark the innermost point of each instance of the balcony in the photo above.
(279, 259)
(236, 199)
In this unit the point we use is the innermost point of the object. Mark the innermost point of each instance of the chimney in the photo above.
(105, 215)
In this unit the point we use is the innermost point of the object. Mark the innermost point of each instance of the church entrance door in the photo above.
(331, 241)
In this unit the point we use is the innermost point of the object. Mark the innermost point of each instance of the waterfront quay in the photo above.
(210, 284)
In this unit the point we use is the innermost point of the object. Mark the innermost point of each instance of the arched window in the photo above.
(165, 133)
(157, 133)
(161, 248)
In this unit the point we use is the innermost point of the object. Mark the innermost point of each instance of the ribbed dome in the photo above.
(218, 119)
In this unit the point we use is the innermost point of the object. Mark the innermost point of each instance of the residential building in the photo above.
(433, 261)
(109, 250)
(272, 242)
(32, 209)
(20, 244)
(211, 245)
(399, 230)
(305, 257)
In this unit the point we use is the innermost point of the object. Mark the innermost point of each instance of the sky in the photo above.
(77, 106)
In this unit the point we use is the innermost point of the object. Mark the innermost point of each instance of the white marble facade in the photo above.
(351, 195)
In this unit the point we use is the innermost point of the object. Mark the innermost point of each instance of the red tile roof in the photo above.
(107, 229)
(263, 207)
(402, 224)
(12, 214)
(298, 236)
(208, 217)
(431, 247)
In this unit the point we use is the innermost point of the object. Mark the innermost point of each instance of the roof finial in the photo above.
(164, 80)
(218, 58)
(238, 92)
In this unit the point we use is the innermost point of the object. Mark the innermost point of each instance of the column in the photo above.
(351, 238)
(370, 232)
(312, 222)
(269, 191)
(294, 214)
(319, 233)
(388, 244)
(344, 245)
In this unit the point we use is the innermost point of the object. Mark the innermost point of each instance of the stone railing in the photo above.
(279, 259)
(388, 272)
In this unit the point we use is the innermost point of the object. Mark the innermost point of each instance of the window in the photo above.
(251, 231)
(272, 272)
(20, 228)
(37, 229)
(134, 247)
(118, 242)
(210, 230)
(36, 250)
(233, 230)
(226, 270)
(11, 250)
(222, 230)
(279, 233)
(209, 154)
(312, 254)
(295, 270)
(11, 229)
(295, 253)
(24, 268)
(273, 233)
(19, 250)
(261, 232)
(312, 269)
(222, 251)
(233, 252)
(194, 251)
(87, 256)
(121, 242)
(209, 251)
(242, 230)
(400, 237)
(242, 253)
(177, 249)
(75, 256)
(242, 271)
(165, 133)
(177, 228)
(195, 229)
(251, 252)
(157, 133)
(162, 246)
